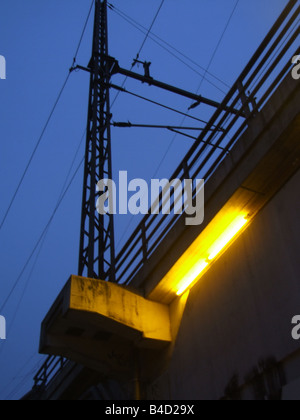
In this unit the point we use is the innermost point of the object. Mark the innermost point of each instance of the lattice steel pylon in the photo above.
(97, 246)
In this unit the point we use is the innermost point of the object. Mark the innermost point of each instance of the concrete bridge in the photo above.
(192, 323)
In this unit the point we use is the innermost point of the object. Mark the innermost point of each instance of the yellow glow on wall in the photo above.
(226, 232)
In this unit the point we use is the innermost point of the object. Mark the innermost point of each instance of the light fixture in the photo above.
(227, 237)
(192, 276)
(217, 247)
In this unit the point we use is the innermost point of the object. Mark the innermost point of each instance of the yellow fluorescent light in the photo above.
(219, 245)
(192, 276)
(227, 237)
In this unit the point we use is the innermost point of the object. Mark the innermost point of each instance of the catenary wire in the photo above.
(34, 152)
(140, 27)
(124, 90)
(184, 118)
(21, 384)
(14, 196)
(83, 32)
(4, 388)
(208, 67)
(219, 43)
(274, 55)
(158, 40)
(41, 237)
(149, 30)
(140, 50)
(45, 234)
(24, 378)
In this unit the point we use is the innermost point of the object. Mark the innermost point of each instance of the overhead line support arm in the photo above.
(116, 69)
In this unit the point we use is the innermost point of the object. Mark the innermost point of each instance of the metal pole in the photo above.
(97, 246)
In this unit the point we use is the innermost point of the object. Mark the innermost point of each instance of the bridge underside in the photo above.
(101, 325)
(262, 162)
(98, 324)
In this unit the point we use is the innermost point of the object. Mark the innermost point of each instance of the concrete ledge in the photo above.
(98, 324)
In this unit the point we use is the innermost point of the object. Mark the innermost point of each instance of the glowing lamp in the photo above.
(226, 238)
(192, 277)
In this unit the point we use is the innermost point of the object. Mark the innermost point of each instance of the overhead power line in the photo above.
(185, 115)
(41, 237)
(203, 78)
(149, 30)
(34, 152)
(168, 47)
(207, 69)
(64, 191)
(45, 232)
(14, 196)
(141, 47)
(22, 380)
(219, 43)
(17, 375)
(83, 32)
(122, 89)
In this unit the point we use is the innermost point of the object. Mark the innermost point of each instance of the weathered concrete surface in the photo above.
(232, 336)
(125, 308)
(262, 161)
(98, 324)
(241, 312)
(235, 335)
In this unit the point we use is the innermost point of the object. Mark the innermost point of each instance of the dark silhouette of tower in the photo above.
(97, 248)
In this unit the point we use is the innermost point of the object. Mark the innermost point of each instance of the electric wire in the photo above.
(219, 43)
(157, 126)
(217, 49)
(22, 383)
(274, 54)
(34, 152)
(208, 67)
(45, 127)
(41, 237)
(149, 30)
(180, 59)
(140, 50)
(23, 378)
(83, 32)
(184, 118)
(45, 232)
(4, 388)
(63, 192)
(122, 89)
(33, 268)
(206, 70)
(24, 291)
(158, 40)
(14, 317)
(138, 54)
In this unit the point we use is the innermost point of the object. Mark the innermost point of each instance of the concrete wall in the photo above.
(234, 340)
(235, 337)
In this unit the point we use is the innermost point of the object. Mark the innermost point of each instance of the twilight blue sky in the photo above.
(38, 39)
